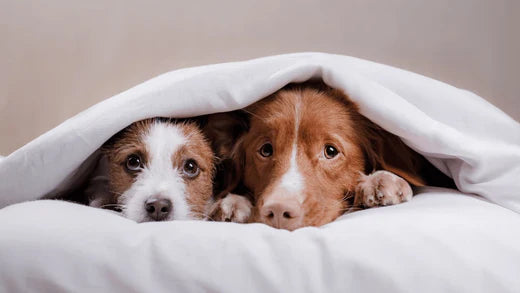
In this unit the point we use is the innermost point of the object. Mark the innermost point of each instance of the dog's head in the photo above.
(159, 170)
(301, 152)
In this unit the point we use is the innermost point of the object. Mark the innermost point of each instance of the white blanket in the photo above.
(444, 241)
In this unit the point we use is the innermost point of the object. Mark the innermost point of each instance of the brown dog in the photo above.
(302, 154)
(155, 170)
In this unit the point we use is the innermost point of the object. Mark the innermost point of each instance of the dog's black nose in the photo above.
(158, 209)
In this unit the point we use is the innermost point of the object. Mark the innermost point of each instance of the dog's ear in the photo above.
(382, 150)
(385, 151)
(225, 132)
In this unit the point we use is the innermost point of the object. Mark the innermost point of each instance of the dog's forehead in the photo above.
(163, 139)
(314, 111)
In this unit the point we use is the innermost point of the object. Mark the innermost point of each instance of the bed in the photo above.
(444, 240)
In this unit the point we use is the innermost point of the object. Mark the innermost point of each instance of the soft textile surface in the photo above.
(441, 241)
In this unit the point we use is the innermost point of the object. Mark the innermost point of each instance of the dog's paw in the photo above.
(232, 208)
(382, 188)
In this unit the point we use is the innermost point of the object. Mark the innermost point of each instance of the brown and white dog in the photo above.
(155, 170)
(304, 155)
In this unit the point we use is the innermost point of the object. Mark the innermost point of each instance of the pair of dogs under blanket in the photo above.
(445, 239)
(461, 134)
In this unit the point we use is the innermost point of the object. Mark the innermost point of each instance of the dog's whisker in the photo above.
(118, 206)
(253, 114)
(201, 215)
(350, 209)
(112, 205)
(117, 193)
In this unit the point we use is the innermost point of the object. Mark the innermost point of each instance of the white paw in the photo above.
(232, 208)
(382, 188)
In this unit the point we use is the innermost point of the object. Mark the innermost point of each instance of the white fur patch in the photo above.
(292, 180)
(159, 177)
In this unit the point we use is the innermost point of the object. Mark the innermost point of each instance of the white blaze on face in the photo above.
(292, 181)
(159, 176)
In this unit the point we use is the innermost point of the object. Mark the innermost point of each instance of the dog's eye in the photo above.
(266, 150)
(191, 168)
(330, 151)
(133, 163)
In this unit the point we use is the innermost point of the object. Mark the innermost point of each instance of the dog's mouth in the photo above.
(150, 220)
(285, 222)
(317, 216)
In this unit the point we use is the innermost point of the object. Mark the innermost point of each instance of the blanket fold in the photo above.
(459, 132)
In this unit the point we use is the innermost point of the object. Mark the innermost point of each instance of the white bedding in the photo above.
(441, 241)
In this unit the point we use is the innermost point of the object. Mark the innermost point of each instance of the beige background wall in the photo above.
(59, 57)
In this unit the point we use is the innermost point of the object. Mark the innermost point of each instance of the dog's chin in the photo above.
(136, 217)
(148, 219)
(143, 218)
(290, 227)
(134, 199)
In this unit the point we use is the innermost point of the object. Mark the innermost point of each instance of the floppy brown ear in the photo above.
(385, 151)
(382, 150)
(224, 131)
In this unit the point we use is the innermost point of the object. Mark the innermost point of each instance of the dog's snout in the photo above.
(158, 209)
(283, 214)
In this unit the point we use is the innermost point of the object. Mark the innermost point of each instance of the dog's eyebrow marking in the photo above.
(293, 180)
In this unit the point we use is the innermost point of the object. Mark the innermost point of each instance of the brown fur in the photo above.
(327, 116)
(129, 141)
(200, 189)
(117, 150)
